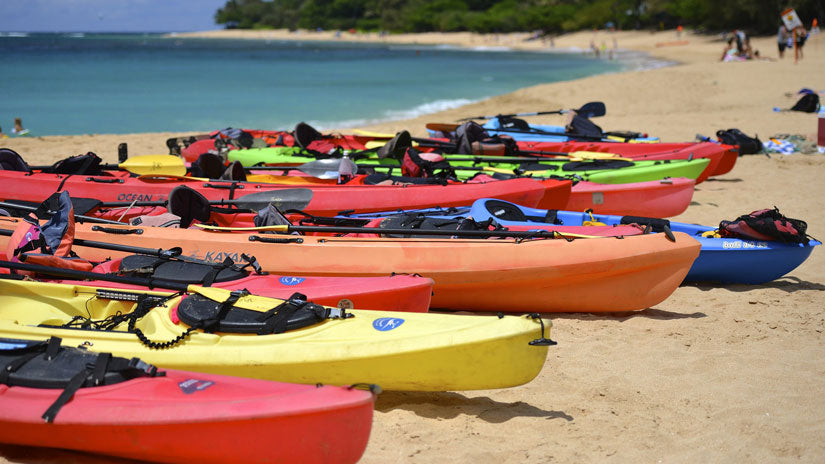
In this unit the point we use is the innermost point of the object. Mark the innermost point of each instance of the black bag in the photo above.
(747, 145)
(809, 103)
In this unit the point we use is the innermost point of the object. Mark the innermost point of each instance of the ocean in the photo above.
(66, 84)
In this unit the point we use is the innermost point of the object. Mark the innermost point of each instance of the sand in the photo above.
(714, 373)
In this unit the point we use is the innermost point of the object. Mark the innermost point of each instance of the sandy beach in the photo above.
(714, 373)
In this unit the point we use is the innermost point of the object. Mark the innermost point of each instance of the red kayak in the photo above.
(315, 198)
(179, 417)
(399, 292)
(657, 198)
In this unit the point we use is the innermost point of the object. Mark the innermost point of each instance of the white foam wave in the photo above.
(394, 115)
(14, 34)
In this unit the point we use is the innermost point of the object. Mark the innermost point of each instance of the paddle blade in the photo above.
(284, 199)
(592, 110)
(155, 164)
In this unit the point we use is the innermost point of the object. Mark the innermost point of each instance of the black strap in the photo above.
(101, 366)
(72, 387)
(211, 325)
(276, 319)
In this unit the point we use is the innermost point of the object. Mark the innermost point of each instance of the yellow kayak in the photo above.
(423, 352)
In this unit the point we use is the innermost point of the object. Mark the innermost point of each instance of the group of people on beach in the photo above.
(785, 38)
(18, 129)
(739, 48)
(738, 44)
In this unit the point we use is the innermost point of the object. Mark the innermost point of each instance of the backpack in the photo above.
(767, 225)
(747, 145)
(809, 103)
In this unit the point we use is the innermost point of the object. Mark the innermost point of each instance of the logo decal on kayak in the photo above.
(134, 197)
(385, 324)
(190, 386)
(598, 198)
(290, 281)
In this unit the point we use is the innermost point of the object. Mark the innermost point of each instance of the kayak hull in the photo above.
(476, 275)
(171, 418)
(325, 199)
(664, 198)
(418, 352)
(722, 260)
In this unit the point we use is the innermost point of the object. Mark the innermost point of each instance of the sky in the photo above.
(108, 15)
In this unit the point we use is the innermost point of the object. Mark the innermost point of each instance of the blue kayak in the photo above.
(546, 134)
(723, 260)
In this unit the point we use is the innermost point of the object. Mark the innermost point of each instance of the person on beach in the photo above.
(18, 129)
(782, 39)
(2, 135)
(801, 37)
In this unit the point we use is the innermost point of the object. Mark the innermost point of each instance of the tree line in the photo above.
(489, 16)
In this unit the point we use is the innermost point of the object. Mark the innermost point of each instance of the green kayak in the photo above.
(603, 171)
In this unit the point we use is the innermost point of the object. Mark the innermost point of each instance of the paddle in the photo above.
(32, 209)
(287, 198)
(145, 164)
(588, 110)
(447, 127)
(220, 295)
(412, 232)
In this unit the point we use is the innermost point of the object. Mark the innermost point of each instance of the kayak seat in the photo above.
(177, 270)
(537, 167)
(378, 178)
(505, 211)
(658, 225)
(46, 364)
(212, 316)
(416, 221)
(10, 160)
(597, 164)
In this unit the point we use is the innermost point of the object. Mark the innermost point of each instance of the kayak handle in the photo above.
(258, 238)
(110, 230)
(541, 341)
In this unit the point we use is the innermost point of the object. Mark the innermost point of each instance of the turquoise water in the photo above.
(96, 83)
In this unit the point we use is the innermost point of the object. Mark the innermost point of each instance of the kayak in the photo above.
(658, 198)
(171, 417)
(556, 133)
(397, 292)
(421, 352)
(724, 260)
(722, 157)
(329, 199)
(604, 171)
(504, 275)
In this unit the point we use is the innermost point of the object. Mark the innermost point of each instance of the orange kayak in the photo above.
(503, 275)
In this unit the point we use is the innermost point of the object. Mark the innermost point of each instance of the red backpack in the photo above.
(768, 225)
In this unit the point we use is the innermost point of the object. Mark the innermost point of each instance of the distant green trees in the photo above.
(755, 16)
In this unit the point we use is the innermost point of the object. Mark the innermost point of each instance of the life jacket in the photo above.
(472, 139)
(416, 164)
(51, 244)
(767, 225)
